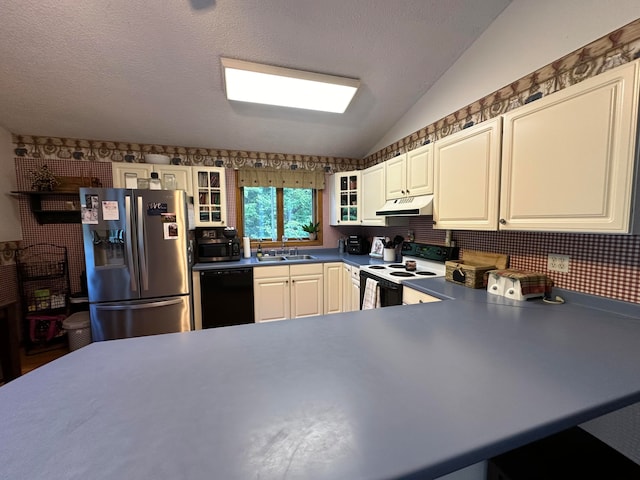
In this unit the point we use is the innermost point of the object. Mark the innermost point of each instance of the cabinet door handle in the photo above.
(408, 192)
(503, 221)
(420, 301)
(402, 191)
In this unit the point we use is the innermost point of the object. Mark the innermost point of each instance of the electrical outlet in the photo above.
(558, 263)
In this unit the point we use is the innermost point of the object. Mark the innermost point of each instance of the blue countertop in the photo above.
(323, 255)
(401, 392)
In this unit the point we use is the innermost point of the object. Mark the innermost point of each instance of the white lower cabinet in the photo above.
(288, 291)
(346, 288)
(271, 293)
(196, 300)
(333, 291)
(411, 297)
(355, 289)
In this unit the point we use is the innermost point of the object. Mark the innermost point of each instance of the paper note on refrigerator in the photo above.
(110, 210)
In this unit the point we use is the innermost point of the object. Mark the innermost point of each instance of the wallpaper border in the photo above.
(610, 51)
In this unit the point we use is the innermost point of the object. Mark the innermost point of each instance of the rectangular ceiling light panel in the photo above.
(256, 83)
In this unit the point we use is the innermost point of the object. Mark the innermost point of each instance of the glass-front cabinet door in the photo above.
(348, 198)
(209, 196)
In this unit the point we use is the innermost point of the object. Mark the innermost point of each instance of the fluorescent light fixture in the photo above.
(256, 83)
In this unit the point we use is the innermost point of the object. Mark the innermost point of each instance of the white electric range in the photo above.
(429, 263)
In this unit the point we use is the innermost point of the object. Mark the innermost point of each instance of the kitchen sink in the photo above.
(287, 257)
(271, 259)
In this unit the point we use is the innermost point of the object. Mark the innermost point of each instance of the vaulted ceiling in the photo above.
(149, 72)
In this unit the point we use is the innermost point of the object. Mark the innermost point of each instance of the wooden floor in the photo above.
(35, 360)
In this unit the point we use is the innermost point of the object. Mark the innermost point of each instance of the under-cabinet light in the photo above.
(257, 83)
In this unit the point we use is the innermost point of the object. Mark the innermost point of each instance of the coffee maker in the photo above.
(357, 245)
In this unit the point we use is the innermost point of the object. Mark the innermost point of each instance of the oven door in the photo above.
(390, 293)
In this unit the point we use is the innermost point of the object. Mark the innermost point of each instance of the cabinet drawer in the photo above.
(411, 296)
(355, 273)
(269, 272)
(306, 269)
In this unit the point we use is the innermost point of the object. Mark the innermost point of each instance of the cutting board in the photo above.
(474, 257)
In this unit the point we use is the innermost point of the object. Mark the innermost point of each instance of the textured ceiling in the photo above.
(149, 72)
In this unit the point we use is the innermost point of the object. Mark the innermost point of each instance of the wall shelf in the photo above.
(51, 216)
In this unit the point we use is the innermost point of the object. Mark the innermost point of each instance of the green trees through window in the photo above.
(270, 213)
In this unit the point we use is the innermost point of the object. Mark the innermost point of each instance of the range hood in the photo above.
(407, 206)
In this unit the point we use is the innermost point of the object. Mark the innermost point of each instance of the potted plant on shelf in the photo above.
(43, 179)
(312, 229)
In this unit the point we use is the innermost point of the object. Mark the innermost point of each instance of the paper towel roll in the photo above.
(246, 247)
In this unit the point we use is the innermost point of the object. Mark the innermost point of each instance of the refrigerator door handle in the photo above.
(129, 240)
(142, 252)
(140, 306)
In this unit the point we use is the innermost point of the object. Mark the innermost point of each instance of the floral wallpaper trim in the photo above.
(45, 148)
(610, 51)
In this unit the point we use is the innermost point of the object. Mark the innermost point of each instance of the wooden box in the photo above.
(470, 270)
(73, 184)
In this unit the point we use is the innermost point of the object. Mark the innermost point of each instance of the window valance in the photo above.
(268, 177)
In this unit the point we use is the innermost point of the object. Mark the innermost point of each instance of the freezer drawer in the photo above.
(110, 321)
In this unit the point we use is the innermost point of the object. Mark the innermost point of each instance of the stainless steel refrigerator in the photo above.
(135, 247)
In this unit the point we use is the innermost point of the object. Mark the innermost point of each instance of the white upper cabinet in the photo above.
(346, 201)
(420, 171)
(467, 178)
(181, 174)
(396, 177)
(410, 174)
(126, 175)
(568, 159)
(374, 198)
(209, 197)
(373, 194)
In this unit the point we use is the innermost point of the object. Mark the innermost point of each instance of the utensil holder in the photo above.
(389, 255)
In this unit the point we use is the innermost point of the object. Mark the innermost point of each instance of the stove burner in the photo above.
(396, 265)
(425, 273)
(377, 267)
(401, 274)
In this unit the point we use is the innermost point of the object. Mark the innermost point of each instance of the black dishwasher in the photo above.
(226, 297)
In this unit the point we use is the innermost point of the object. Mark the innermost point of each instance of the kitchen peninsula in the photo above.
(401, 392)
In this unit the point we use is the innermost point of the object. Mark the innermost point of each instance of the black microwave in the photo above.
(217, 244)
(217, 249)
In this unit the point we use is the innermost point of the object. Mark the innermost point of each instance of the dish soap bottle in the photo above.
(259, 252)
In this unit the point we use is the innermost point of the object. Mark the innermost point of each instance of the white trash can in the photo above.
(78, 327)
